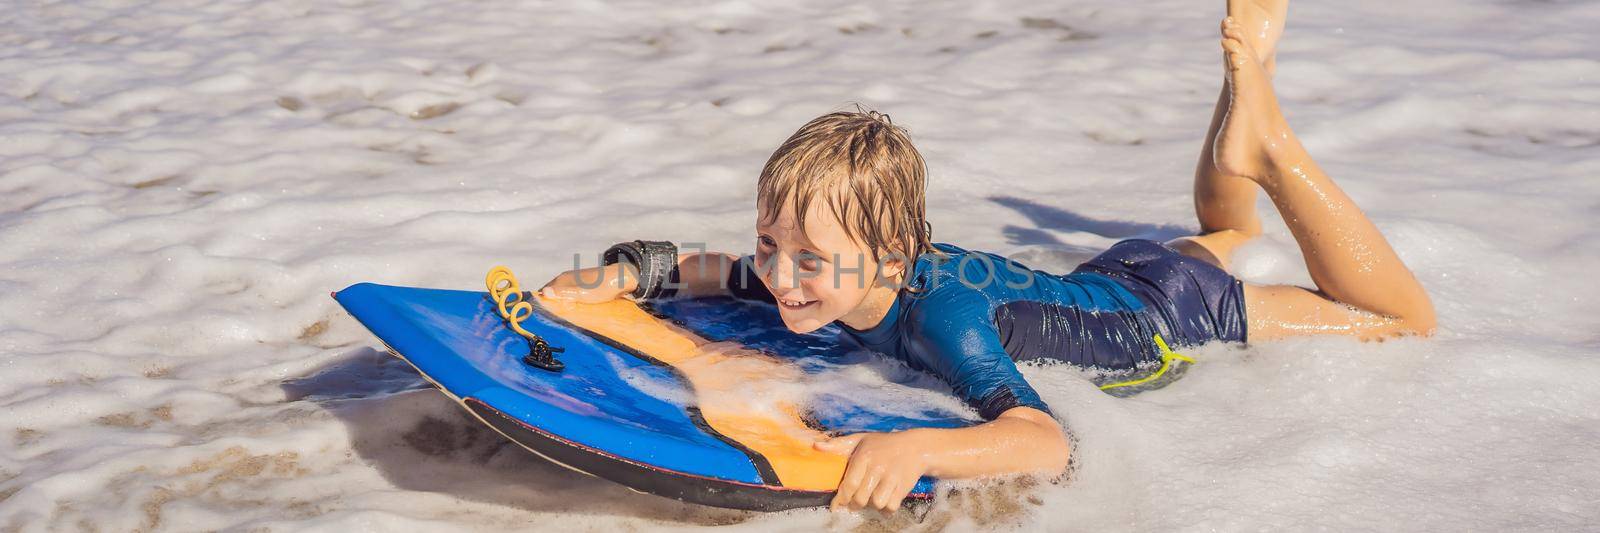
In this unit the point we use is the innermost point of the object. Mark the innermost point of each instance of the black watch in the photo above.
(657, 262)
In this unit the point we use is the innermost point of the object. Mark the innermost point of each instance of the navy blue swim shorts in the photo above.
(1196, 300)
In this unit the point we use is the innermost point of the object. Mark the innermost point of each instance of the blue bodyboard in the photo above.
(617, 412)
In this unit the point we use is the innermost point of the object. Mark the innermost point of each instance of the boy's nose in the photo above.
(784, 274)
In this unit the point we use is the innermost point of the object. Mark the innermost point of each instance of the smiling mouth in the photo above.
(795, 304)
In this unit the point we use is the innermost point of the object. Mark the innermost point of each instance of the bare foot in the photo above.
(1261, 21)
(1254, 132)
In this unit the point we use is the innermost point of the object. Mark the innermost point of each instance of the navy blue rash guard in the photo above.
(969, 317)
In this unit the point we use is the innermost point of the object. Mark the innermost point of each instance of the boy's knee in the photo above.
(1421, 321)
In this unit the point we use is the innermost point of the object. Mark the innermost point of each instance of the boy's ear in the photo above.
(891, 266)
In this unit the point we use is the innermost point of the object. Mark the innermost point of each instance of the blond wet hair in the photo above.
(868, 173)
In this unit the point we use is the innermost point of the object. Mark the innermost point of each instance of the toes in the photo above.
(1233, 46)
(1233, 32)
(1235, 52)
(1233, 40)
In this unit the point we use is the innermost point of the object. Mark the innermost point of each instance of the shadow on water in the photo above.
(420, 440)
(1049, 218)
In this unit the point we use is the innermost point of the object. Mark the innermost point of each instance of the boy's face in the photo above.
(818, 273)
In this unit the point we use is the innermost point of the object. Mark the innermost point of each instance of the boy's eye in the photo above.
(766, 241)
(809, 261)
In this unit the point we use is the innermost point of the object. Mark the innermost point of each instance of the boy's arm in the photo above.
(884, 467)
(704, 274)
(719, 274)
(699, 274)
(953, 335)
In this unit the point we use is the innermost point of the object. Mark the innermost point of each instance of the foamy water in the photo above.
(182, 183)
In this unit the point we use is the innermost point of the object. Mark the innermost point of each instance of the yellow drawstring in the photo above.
(1167, 357)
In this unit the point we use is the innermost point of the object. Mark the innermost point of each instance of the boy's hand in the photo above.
(883, 468)
(593, 285)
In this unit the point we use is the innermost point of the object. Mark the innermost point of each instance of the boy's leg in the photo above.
(1225, 204)
(1363, 288)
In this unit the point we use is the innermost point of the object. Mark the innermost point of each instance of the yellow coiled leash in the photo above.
(1168, 357)
(506, 294)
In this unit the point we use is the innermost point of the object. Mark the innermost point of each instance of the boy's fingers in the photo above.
(581, 294)
(864, 491)
(903, 492)
(849, 484)
(842, 497)
(594, 296)
(840, 445)
(562, 293)
(888, 495)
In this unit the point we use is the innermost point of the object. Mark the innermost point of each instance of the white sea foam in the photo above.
(182, 183)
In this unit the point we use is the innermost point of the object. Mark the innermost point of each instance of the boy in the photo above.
(841, 238)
